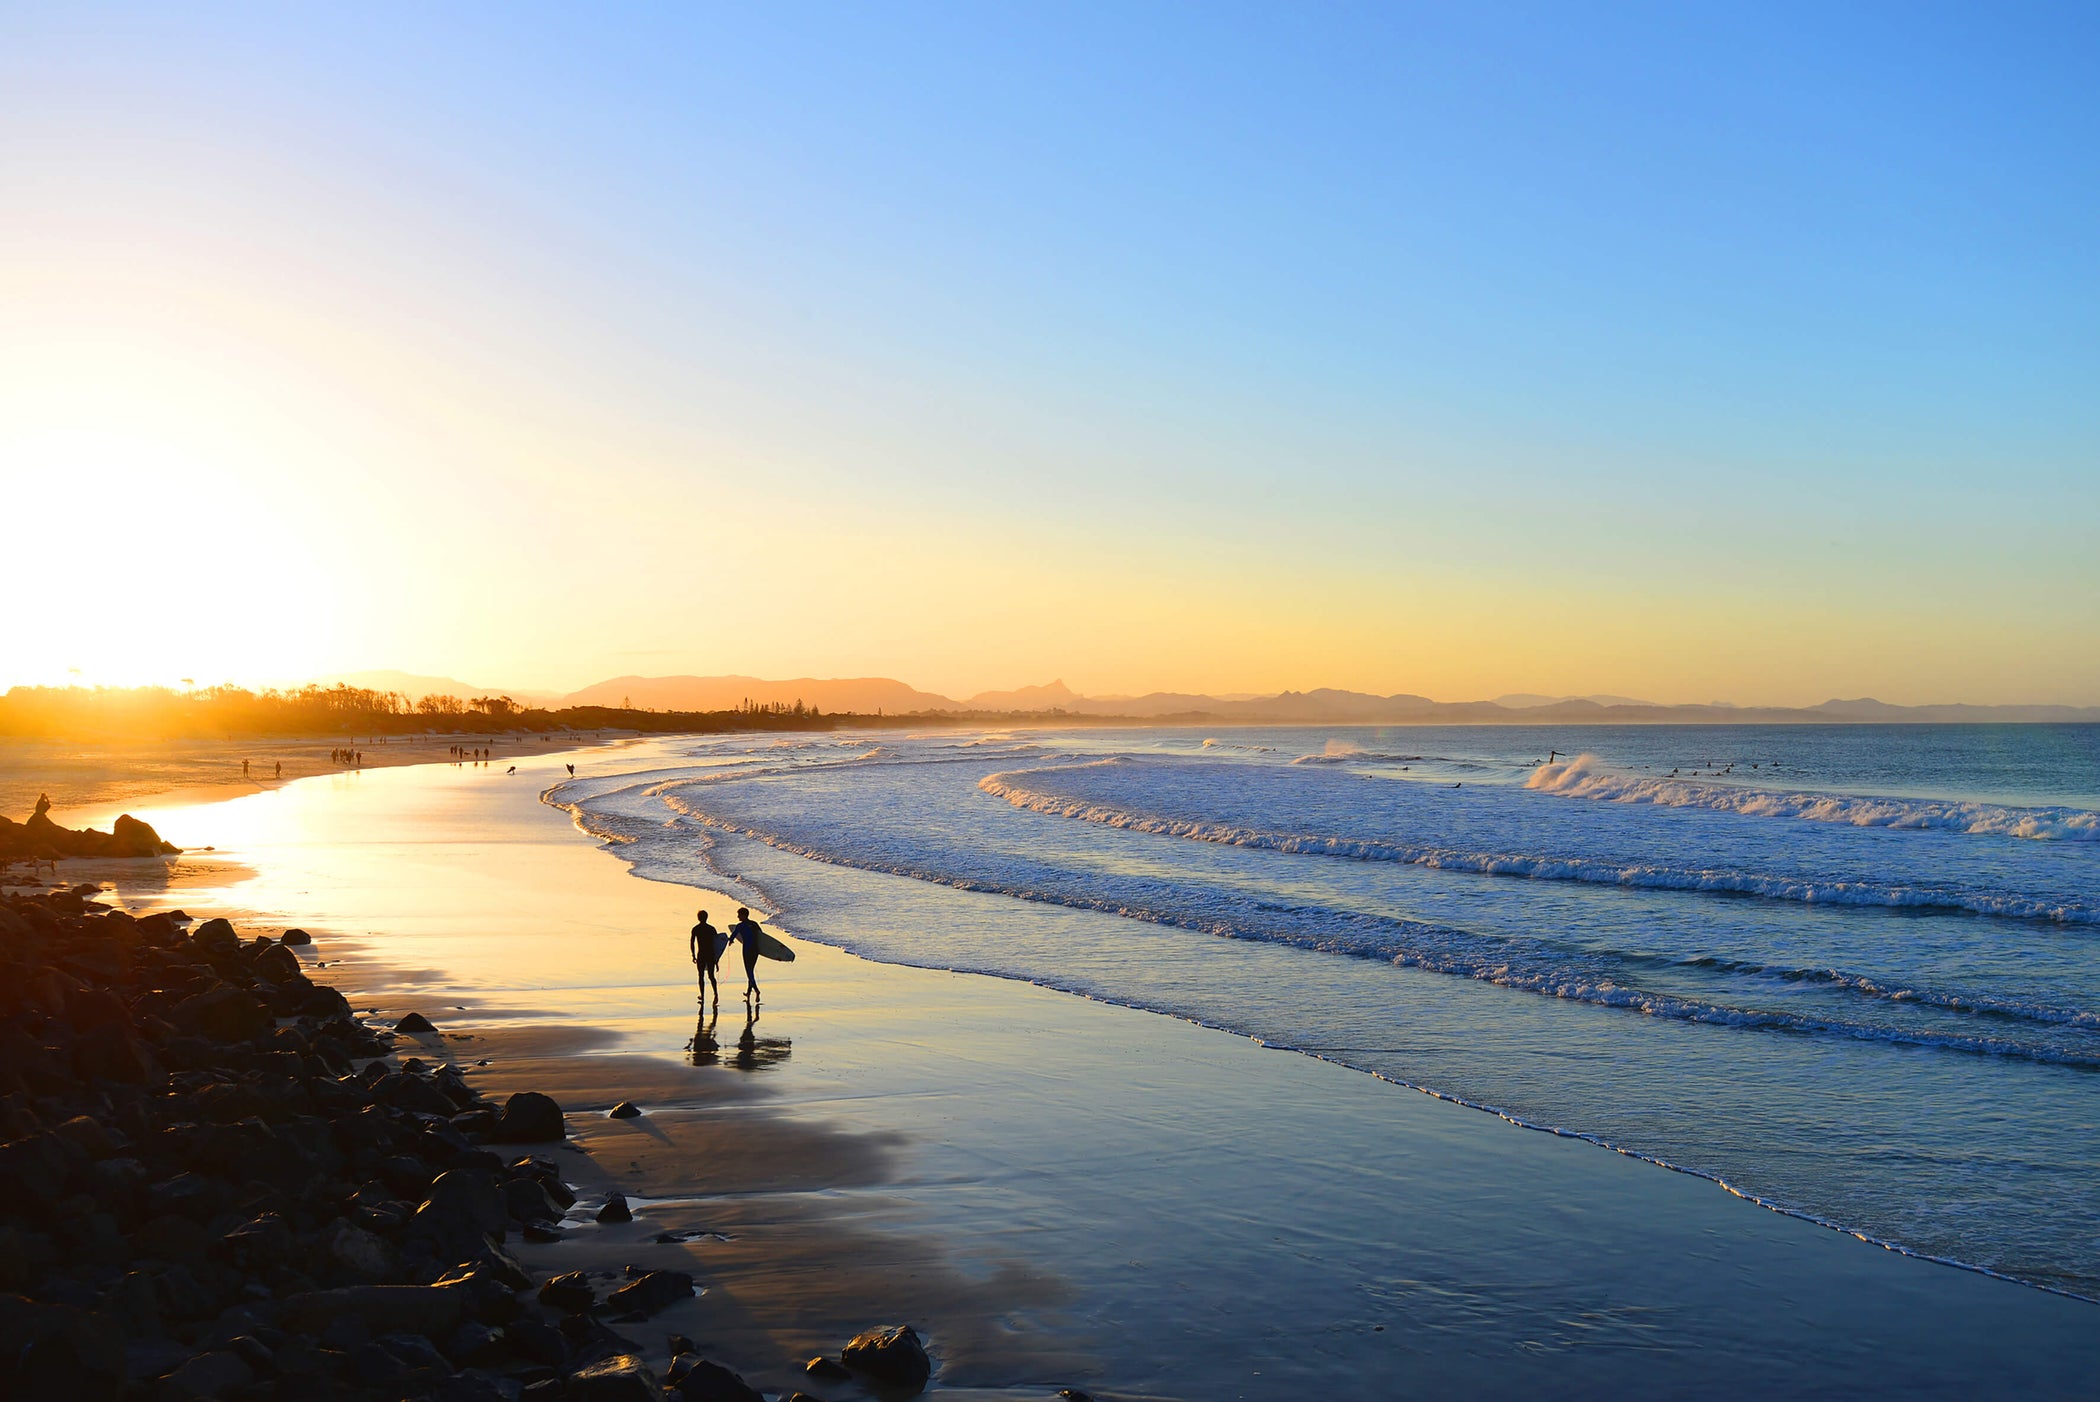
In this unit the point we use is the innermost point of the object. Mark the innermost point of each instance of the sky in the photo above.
(1710, 352)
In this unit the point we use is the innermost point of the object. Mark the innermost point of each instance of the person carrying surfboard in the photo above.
(707, 946)
(747, 933)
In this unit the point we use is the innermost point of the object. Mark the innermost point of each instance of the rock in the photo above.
(169, 1237)
(526, 1201)
(406, 1092)
(210, 1375)
(535, 1339)
(1073, 1394)
(431, 1310)
(476, 1385)
(415, 1025)
(571, 1293)
(615, 1210)
(59, 1352)
(494, 1261)
(621, 1378)
(217, 937)
(87, 1135)
(540, 1233)
(359, 1252)
(677, 1344)
(892, 1357)
(625, 1110)
(224, 1014)
(474, 1343)
(650, 1292)
(487, 1300)
(278, 964)
(829, 1369)
(461, 1205)
(529, 1118)
(702, 1381)
(131, 838)
(296, 937)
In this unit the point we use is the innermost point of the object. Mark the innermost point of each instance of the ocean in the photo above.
(1849, 972)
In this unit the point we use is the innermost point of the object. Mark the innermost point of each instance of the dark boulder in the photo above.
(892, 1357)
(381, 1309)
(131, 838)
(621, 1378)
(650, 1292)
(296, 937)
(616, 1209)
(278, 964)
(217, 1374)
(529, 1118)
(476, 1385)
(216, 937)
(625, 1110)
(59, 1351)
(461, 1214)
(571, 1293)
(537, 1341)
(526, 1201)
(224, 1014)
(829, 1369)
(415, 1025)
(702, 1381)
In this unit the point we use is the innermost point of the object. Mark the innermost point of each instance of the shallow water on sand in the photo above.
(1067, 1193)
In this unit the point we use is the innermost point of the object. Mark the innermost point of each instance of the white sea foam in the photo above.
(1546, 867)
(1586, 776)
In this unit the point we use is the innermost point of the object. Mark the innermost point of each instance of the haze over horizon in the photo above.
(1743, 353)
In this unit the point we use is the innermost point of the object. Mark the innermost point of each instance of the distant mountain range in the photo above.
(870, 695)
(867, 695)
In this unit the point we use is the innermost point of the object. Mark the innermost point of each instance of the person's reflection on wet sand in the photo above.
(704, 1049)
(752, 1052)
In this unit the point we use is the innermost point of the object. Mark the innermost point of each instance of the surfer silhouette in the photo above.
(747, 933)
(707, 944)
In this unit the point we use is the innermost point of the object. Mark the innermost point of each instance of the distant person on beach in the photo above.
(572, 771)
(706, 956)
(244, 769)
(280, 770)
(746, 933)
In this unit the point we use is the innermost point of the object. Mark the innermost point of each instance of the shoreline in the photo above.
(834, 1003)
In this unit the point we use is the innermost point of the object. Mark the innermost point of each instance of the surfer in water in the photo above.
(747, 933)
(707, 949)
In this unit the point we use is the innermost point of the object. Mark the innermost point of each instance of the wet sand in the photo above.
(1059, 1193)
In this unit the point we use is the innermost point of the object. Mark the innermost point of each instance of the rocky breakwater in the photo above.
(41, 840)
(216, 1182)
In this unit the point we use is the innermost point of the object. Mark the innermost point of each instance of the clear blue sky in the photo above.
(1691, 351)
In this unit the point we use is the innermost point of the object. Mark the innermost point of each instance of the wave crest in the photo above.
(1586, 776)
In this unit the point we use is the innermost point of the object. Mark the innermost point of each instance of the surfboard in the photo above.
(721, 942)
(770, 948)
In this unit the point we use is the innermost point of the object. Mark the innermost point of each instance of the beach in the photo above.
(90, 782)
(1056, 1191)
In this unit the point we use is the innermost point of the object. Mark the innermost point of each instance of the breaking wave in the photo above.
(1542, 867)
(1585, 776)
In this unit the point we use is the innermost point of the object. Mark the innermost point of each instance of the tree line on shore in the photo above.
(154, 712)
